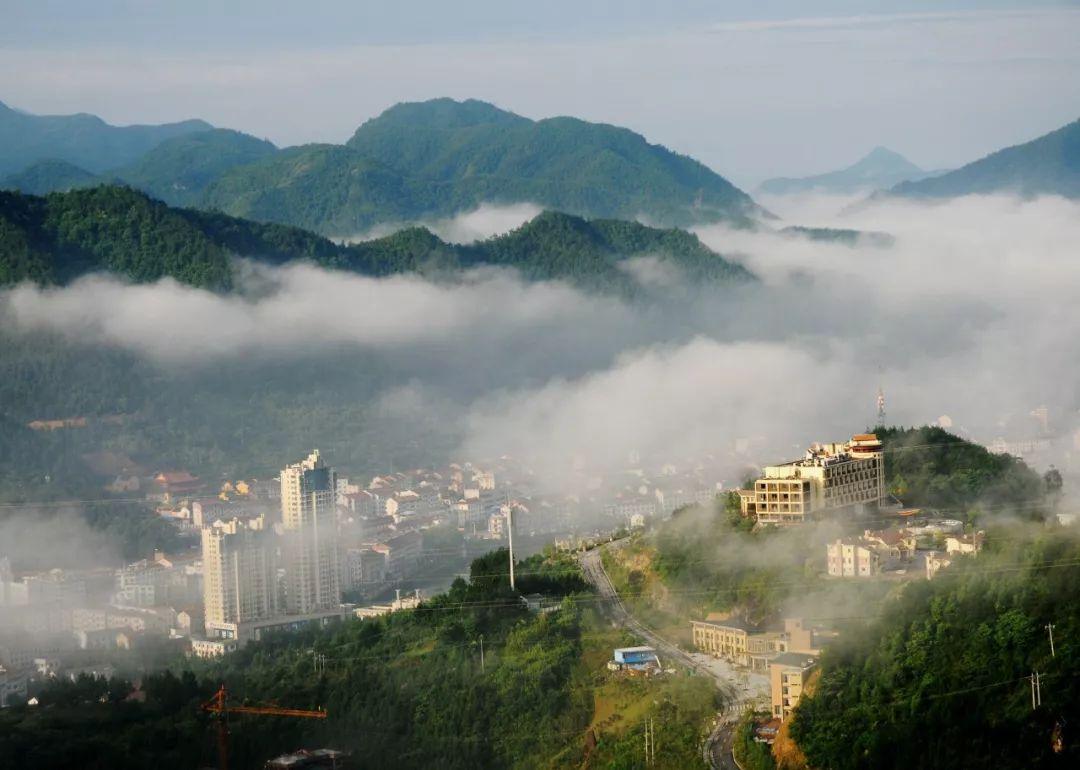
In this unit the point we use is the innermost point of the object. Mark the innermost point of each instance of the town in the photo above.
(312, 547)
(309, 547)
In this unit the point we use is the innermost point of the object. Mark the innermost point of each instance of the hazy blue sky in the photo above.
(753, 88)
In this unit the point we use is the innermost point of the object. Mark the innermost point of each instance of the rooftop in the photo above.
(794, 660)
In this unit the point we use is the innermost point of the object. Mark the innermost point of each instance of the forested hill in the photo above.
(477, 152)
(56, 238)
(83, 140)
(930, 467)
(941, 680)
(1049, 165)
(415, 161)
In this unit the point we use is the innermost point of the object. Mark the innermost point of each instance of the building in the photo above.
(309, 520)
(746, 646)
(787, 677)
(13, 686)
(852, 557)
(362, 568)
(172, 485)
(540, 604)
(402, 553)
(116, 618)
(239, 576)
(831, 478)
(635, 659)
(736, 641)
(55, 587)
(935, 562)
(964, 544)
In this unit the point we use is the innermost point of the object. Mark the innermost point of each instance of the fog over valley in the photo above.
(952, 317)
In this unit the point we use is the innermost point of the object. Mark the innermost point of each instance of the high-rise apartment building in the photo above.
(830, 478)
(239, 576)
(309, 521)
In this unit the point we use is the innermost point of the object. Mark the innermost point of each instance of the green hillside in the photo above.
(592, 169)
(1049, 165)
(179, 170)
(57, 238)
(434, 159)
(323, 187)
(941, 680)
(415, 161)
(48, 176)
(84, 140)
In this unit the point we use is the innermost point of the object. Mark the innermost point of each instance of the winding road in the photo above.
(716, 751)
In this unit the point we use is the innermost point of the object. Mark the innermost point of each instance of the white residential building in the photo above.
(239, 575)
(309, 521)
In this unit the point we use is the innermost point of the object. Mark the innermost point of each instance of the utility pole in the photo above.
(510, 531)
(1036, 690)
(646, 743)
(652, 742)
(1050, 630)
(481, 653)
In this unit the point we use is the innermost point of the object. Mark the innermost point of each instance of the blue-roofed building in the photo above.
(636, 658)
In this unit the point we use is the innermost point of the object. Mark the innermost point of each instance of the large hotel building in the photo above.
(831, 478)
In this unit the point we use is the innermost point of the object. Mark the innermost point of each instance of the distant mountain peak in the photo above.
(445, 112)
(880, 168)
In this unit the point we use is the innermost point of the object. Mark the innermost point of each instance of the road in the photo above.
(595, 574)
(716, 751)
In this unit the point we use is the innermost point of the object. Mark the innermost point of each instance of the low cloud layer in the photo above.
(483, 222)
(297, 307)
(968, 313)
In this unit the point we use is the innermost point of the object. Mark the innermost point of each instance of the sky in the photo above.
(753, 89)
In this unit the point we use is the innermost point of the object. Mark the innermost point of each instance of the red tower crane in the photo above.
(219, 704)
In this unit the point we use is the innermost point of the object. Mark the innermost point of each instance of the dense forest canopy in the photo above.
(410, 686)
(56, 238)
(930, 467)
(941, 679)
(415, 161)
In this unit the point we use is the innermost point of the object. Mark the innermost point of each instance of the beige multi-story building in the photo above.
(787, 674)
(744, 646)
(309, 520)
(239, 575)
(830, 478)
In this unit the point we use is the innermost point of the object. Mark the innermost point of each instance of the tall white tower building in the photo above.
(239, 575)
(309, 520)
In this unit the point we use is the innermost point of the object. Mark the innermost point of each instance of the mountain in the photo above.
(591, 169)
(323, 187)
(83, 140)
(180, 169)
(48, 176)
(880, 169)
(57, 238)
(1049, 165)
(437, 158)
